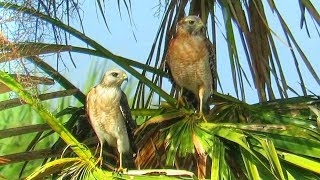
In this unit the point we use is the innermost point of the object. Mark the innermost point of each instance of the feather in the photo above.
(110, 115)
(130, 123)
(191, 62)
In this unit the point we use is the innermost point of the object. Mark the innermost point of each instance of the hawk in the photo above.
(191, 62)
(110, 115)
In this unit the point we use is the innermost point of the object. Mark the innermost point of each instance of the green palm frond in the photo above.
(247, 141)
(119, 60)
(51, 120)
(277, 138)
(30, 50)
(70, 168)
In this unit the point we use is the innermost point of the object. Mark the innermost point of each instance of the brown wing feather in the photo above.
(213, 63)
(130, 123)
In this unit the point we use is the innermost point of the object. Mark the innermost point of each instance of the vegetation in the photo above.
(276, 138)
(24, 116)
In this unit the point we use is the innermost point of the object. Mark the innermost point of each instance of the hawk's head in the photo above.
(191, 25)
(114, 78)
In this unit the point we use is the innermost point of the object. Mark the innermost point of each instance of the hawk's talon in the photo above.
(202, 116)
(120, 171)
(99, 161)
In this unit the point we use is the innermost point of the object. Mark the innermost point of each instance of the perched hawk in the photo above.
(191, 61)
(110, 114)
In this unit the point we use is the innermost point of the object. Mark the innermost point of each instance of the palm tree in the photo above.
(278, 137)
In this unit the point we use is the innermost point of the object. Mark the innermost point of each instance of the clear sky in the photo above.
(121, 41)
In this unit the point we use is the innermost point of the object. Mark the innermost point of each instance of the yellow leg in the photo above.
(100, 159)
(121, 169)
(200, 107)
(201, 94)
(120, 161)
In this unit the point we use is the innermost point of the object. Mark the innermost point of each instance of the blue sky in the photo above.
(121, 41)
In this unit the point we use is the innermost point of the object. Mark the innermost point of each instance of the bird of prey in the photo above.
(191, 61)
(110, 115)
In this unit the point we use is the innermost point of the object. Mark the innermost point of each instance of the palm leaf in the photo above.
(277, 138)
(51, 120)
(93, 44)
(237, 150)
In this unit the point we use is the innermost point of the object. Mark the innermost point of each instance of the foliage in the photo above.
(275, 138)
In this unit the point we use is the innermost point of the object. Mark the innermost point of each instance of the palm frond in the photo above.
(23, 130)
(252, 146)
(248, 21)
(276, 138)
(93, 44)
(51, 120)
(71, 168)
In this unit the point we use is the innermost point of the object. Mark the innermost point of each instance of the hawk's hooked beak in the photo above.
(125, 77)
(200, 25)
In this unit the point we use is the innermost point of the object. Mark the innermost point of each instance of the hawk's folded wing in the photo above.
(130, 123)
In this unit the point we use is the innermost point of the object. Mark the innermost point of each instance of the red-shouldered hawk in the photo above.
(191, 61)
(110, 114)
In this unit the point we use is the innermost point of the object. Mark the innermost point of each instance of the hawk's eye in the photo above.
(114, 74)
(191, 22)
